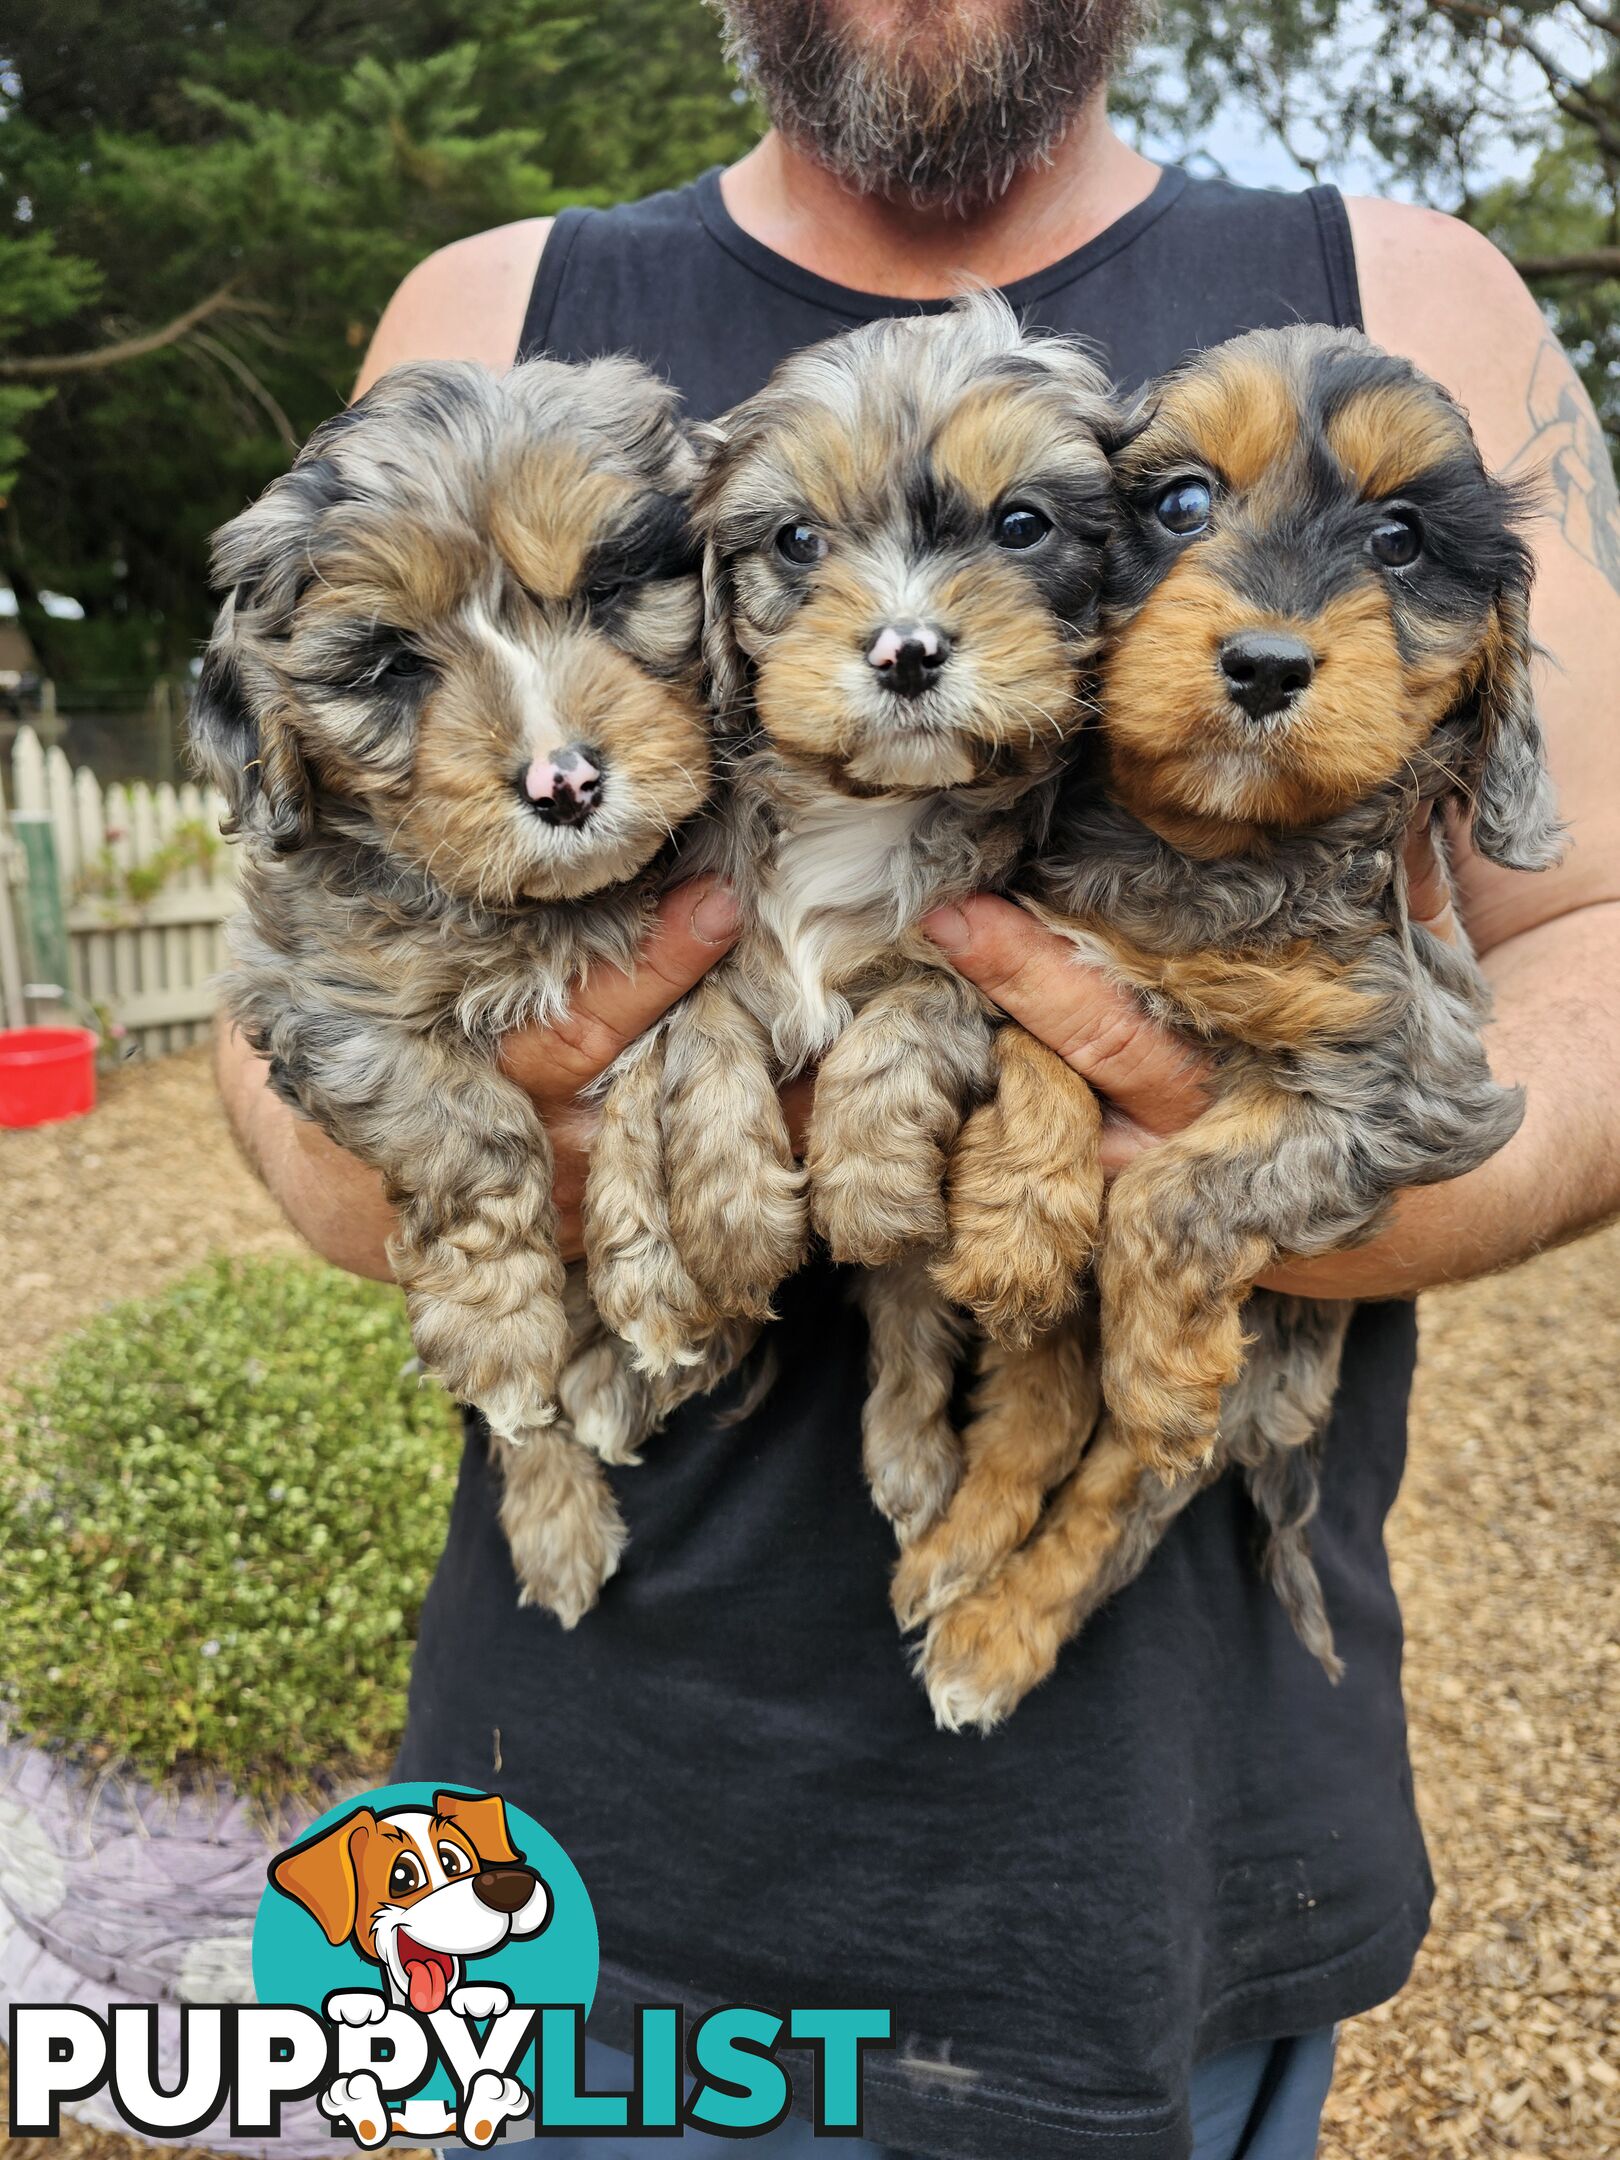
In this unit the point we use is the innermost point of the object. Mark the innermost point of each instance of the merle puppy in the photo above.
(1318, 631)
(453, 700)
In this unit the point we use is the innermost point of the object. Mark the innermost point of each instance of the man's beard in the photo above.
(945, 110)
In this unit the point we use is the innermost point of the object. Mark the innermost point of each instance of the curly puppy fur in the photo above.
(902, 549)
(1318, 631)
(453, 700)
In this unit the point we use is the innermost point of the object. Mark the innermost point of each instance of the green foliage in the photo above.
(219, 1508)
(38, 287)
(286, 162)
(290, 163)
(1505, 115)
(121, 887)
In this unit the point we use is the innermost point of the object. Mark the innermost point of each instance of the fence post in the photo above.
(13, 1011)
(47, 924)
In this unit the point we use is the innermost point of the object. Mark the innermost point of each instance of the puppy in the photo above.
(418, 1892)
(903, 540)
(1318, 630)
(453, 700)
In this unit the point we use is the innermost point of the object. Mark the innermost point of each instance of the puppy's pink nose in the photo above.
(907, 656)
(565, 786)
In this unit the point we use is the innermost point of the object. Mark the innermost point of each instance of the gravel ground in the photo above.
(1505, 1549)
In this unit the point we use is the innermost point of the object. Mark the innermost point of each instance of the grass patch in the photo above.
(219, 1510)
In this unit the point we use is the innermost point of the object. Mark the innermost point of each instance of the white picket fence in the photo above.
(146, 965)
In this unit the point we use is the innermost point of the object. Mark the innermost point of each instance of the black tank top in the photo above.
(1187, 1839)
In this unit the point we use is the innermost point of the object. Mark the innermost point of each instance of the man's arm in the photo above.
(1550, 944)
(467, 303)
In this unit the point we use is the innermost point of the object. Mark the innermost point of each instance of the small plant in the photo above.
(220, 1508)
(193, 845)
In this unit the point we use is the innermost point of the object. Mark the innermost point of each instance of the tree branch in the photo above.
(1603, 262)
(251, 384)
(1579, 101)
(38, 366)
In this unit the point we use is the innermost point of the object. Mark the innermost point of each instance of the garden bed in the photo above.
(199, 1651)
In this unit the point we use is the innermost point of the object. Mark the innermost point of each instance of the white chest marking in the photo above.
(830, 900)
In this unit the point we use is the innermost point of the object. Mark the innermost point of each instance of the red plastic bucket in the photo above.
(46, 1073)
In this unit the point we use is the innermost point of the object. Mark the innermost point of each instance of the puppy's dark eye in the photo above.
(405, 1876)
(800, 544)
(453, 1860)
(402, 665)
(1397, 539)
(1020, 525)
(605, 593)
(1183, 507)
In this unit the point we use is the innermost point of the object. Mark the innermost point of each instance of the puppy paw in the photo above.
(653, 1305)
(481, 1999)
(1024, 1195)
(497, 1333)
(868, 1210)
(608, 1404)
(912, 1484)
(1178, 1444)
(982, 1656)
(358, 2101)
(1017, 1290)
(959, 1552)
(513, 1413)
(562, 1524)
(742, 1237)
(356, 2006)
(491, 2101)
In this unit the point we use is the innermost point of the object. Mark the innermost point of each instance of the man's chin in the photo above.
(943, 123)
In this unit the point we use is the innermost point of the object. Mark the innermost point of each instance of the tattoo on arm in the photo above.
(1567, 445)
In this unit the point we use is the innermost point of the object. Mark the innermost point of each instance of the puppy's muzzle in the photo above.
(907, 657)
(504, 1889)
(1265, 670)
(566, 786)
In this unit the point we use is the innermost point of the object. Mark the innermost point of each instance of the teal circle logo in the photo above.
(417, 1892)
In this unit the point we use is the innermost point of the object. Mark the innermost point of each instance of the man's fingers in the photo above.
(1033, 974)
(696, 924)
(1428, 883)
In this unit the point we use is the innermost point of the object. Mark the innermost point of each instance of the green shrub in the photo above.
(219, 1509)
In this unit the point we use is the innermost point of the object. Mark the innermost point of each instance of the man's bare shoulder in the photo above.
(465, 302)
(1438, 291)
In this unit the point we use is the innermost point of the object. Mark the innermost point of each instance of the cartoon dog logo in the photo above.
(418, 1891)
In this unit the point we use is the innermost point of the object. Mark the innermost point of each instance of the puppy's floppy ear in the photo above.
(242, 738)
(483, 1817)
(704, 439)
(724, 660)
(1505, 780)
(323, 1875)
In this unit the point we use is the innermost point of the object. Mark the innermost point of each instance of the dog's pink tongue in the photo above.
(426, 1979)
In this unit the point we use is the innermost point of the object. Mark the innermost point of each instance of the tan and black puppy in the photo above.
(1318, 631)
(453, 699)
(903, 539)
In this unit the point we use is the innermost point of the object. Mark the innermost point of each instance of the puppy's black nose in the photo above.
(1265, 670)
(907, 657)
(504, 1889)
(564, 787)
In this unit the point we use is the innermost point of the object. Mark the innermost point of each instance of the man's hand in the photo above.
(697, 923)
(337, 1202)
(1151, 1083)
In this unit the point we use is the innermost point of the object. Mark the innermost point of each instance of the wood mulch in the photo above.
(1505, 1547)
